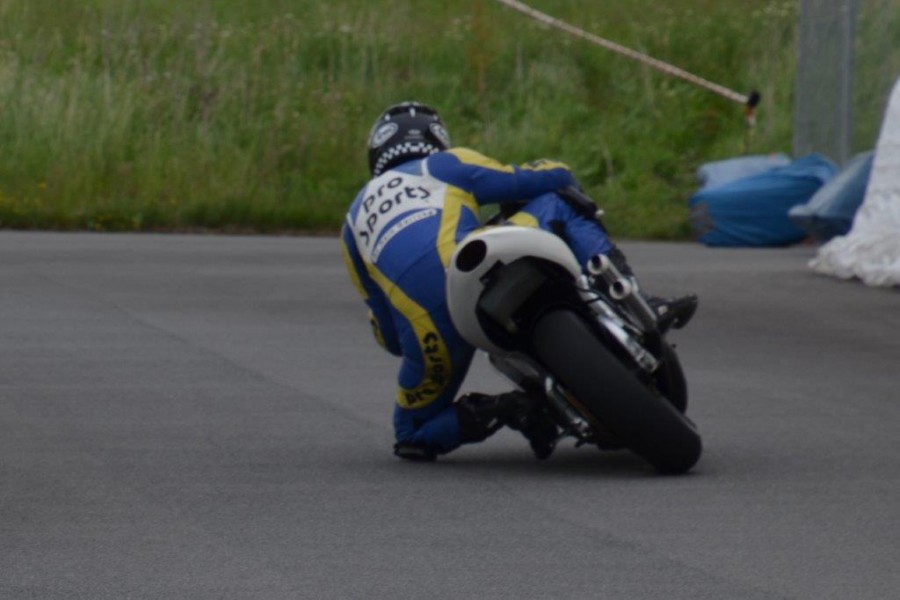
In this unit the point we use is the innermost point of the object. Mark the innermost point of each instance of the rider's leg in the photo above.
(587, 237)
(425, 433)
(425, 418)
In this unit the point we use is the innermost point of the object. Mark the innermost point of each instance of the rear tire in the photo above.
(642, 419)
(670, 379)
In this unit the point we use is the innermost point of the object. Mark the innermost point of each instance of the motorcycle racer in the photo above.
(397, 239)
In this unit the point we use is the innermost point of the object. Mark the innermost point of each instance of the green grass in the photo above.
(237, 116)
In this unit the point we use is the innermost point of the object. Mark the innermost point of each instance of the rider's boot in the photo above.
(531, 419)
(673, 312)
(481, 415)
(414, 452)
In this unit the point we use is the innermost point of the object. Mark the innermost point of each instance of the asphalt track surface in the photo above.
(208, 417)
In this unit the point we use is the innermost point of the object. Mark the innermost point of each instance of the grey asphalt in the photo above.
(189, 416)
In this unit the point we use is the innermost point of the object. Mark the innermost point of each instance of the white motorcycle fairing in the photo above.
(478, 253)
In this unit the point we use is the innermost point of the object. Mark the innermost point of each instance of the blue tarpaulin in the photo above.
(831, 210)
(753, 210)
(716, 173)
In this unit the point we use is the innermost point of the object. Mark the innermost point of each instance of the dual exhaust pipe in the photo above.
(623, 289)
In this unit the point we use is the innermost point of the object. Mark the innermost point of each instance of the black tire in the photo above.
(644, 421)
(670, 379)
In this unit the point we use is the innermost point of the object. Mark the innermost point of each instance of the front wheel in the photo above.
(612, 396)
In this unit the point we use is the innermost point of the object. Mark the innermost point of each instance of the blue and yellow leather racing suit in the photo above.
(399, 235)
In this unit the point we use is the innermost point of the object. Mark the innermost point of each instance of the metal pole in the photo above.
(845, 104)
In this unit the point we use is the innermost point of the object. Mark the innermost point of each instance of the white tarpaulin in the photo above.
(871, 249)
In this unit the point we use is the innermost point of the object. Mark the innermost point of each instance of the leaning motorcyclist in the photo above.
(400, 232)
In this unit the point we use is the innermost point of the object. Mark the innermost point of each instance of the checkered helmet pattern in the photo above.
(403, 132)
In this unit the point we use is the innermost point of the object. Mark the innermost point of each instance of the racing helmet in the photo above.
(403, 132)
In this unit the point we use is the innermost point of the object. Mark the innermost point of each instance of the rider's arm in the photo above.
(379, 310)
(490, 181)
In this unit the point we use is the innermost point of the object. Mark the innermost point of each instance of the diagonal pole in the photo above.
(750, 101)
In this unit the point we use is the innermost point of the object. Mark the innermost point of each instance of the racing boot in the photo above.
(414, 452)
(673, 312)
(531, 420)
(481, 415)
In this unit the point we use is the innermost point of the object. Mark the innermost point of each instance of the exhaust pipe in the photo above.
(623, 290)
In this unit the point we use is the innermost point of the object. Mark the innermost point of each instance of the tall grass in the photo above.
(239, 116)
(876, 68)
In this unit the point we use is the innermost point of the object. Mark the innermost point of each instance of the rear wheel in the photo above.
(613, 396)
(670, 379)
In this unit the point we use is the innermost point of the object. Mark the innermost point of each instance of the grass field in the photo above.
(239, 116)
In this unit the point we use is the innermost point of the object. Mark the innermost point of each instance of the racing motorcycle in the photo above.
(587, 343)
